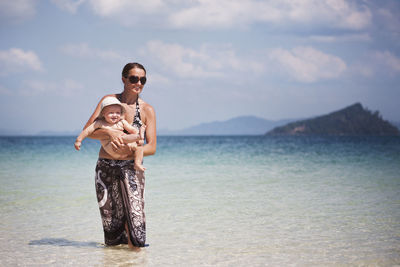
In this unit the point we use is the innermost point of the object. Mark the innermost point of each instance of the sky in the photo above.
(206, 60)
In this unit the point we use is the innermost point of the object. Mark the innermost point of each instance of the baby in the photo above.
(111, 118)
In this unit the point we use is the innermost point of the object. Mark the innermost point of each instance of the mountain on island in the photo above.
(244, 125)
(352, 120)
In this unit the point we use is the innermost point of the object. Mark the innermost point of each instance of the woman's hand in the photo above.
(120, 147)
(119, 144)
(115, 136)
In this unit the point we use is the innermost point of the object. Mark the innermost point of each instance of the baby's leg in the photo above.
(139, 158)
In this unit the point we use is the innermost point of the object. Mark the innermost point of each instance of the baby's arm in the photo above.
(85, 133)
(134, 133)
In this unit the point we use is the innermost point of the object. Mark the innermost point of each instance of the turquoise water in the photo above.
(210, 201)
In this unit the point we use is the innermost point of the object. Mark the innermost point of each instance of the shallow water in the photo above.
(210, 201)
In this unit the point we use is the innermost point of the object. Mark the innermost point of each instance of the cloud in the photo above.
(83, 50)
(212, 14)
(358, 37)
(377, 64)
(220, 14)
(17, 60)
(306, 64)
(116, 7)
(17, 11)
(207, 61)
(183, 62)
(66, 87)
(68, 5)
(129, 13)
(342, 14)
(388, 60)
(386, 16)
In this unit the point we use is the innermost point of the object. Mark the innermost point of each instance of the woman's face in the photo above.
(137, 87)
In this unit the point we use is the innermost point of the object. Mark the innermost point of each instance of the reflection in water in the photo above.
(121, 254)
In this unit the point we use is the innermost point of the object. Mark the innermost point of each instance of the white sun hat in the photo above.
(109, 101)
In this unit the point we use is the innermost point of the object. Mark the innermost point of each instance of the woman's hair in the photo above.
(129, 66)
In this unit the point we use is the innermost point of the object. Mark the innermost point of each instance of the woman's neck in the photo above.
(129, 98)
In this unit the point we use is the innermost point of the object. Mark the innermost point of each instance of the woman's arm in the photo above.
(151, 136)
(95, 114)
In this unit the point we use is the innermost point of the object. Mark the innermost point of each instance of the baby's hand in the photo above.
(140, 142)
(77, 145)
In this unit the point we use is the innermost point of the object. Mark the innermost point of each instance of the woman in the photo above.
(119, 187)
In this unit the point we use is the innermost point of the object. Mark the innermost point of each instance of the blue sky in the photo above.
(206, 60)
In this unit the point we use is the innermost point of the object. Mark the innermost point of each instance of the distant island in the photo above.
(243, 125)
(352, 120)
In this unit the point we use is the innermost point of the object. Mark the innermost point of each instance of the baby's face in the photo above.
(112, 114)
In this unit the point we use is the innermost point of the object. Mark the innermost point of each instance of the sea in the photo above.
(210, 201)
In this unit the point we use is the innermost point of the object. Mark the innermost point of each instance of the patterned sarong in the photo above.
(120, 193)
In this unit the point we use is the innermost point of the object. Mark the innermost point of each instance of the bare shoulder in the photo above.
(147, 113)
(147, 108)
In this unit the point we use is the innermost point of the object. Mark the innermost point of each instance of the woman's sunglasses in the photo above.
(135, 79)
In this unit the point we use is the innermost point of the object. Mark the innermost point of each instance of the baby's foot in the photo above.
(139, 167)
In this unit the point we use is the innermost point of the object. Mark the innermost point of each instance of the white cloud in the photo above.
(70, 88)
(131, 13)
(64, 88)
(306, 64)
(362, 37)
(207, 61)
(133, 8)
(184, 62)
(68, 5)
(17, 11)
(210, 14)
(388, 61)
(16, 60)
(36, 87)
(381, 64)
(156, 78)
(360, 68)
(235, 13)
(347, 14)
(388, 18)
(228, 13)
(83, 50)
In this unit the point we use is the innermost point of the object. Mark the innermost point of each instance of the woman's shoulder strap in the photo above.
(119, 97)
